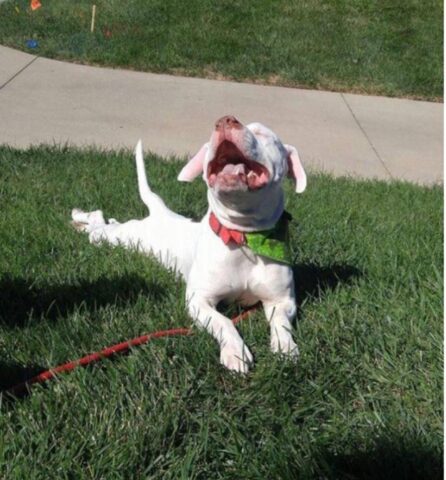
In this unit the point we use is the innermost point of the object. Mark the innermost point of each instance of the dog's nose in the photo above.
(227, 121)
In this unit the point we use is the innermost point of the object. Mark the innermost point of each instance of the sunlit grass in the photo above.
(363, 401)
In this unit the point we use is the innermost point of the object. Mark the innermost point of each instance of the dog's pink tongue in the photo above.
(233, 176)
(231, 169)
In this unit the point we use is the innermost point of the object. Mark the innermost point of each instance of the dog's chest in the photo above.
(232, 272)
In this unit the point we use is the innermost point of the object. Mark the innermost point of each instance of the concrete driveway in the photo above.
(46, 101)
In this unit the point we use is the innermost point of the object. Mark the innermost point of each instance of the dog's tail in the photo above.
(152, 200)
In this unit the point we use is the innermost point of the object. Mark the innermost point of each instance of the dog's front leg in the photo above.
(280, 315)
(234, 354)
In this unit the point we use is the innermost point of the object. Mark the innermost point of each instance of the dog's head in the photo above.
(241, 164)
(242, 158)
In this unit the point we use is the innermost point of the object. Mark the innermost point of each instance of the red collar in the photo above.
(226, 234)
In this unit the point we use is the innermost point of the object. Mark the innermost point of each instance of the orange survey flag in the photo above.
(35, 4)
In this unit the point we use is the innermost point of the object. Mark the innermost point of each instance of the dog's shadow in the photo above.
(21, 300)
(312, 280)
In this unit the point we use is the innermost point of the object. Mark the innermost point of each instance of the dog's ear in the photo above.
(295, 169)
(194, 166)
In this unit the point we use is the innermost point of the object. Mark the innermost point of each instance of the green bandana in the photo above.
(273, 243)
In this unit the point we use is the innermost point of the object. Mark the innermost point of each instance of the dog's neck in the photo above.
(255, 211)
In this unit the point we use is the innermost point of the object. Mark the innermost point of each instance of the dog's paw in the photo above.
(284, 345)
(79, 226)
(86, 221)
(236, 358)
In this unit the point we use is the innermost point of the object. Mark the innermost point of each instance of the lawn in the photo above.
(363, 401)
(385, 48)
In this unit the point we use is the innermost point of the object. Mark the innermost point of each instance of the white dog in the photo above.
(237, 252)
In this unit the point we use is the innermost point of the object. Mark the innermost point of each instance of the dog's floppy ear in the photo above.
(194, 166)
(295, 169)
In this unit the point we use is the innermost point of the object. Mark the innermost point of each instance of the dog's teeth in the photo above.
(238, 169)
(212, 179)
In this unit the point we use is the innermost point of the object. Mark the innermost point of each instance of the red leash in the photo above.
(105, 353)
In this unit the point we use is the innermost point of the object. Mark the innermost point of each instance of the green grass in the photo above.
(363, 401)
(385, 48)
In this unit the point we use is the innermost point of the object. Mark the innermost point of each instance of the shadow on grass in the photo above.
(391, 458)
(12, 374)
(21, 300)
(311, 280)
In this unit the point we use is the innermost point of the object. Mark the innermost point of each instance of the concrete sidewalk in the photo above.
(49, 101)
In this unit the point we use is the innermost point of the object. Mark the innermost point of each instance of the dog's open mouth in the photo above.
(231, 170)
